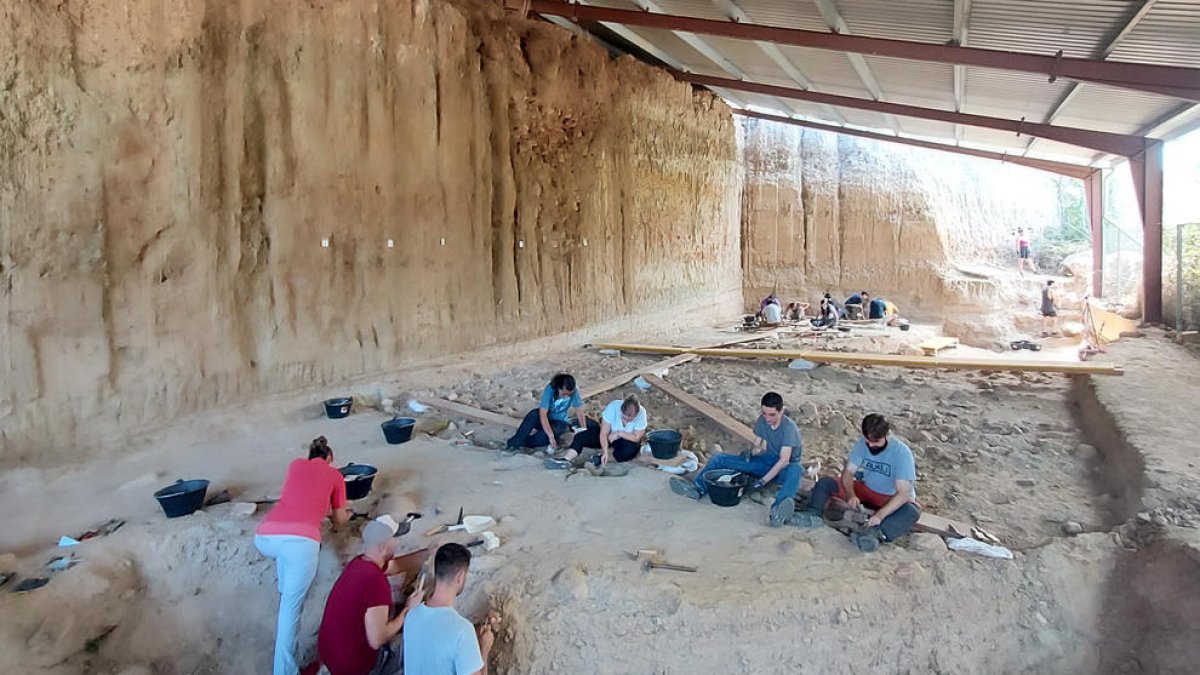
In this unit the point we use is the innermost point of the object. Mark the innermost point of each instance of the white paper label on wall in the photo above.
(391, 243)
(324, 243)
(521, 244)
(443, 241)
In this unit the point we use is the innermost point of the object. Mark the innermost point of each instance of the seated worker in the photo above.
(772, 314)
(544, 424)
(827, 315)
(856, 305)
(776, 454)
(618, 436)
(437, 639)
(876, 308)
(891, 313)
(833, 302)
(879, 474)
(356, 629)
(795, 311)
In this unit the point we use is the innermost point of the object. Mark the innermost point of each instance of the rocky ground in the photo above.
(1000, 451)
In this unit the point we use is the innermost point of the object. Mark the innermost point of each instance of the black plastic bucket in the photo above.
(664, 443)
(182, 498)
(359, 478)
(337, 408)
(725, 493)
(399, 430)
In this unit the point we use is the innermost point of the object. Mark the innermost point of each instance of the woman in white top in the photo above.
(618, 435)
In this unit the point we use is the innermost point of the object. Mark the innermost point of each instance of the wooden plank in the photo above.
(993, 364)
(942, 526)
(659, 368)
(933, 345)
(471, 413)
(723, 419)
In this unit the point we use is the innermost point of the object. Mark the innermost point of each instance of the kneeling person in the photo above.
(437, 639)
(879, 474)
(776, 454)
(617, 436)
(356, 629)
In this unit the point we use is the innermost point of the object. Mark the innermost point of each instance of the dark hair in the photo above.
(562, 381)
(450, 560)
(319, 448)
(1049, 282)
(865, 294)
(772, 400)
(630, 404)
(875, 426)
(828, 296)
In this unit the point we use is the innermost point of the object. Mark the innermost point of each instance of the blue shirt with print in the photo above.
(557, 408)
(880, 472)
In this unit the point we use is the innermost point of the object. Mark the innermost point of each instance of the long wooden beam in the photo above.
(1062, 168)
(1102, 141)
(1009, 365)
(657, 368)
(1175, 81)
(722, 418)
(470, 413)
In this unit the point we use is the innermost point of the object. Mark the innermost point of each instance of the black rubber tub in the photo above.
(182, 498)
(664, 443)
(359, 478)
(399, 430)
(726, 493)
(337, 408)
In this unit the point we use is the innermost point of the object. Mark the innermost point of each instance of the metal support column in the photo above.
(1093, 195)
(1146, 168)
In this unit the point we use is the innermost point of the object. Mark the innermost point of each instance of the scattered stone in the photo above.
(843, 616)
(1072, 528)
(1085, 452)
(858, 389)
(243, 509)
(1026, 482)
(571, 583)
(452, 396)
(8, 562)
(926, 541)
(807, 411)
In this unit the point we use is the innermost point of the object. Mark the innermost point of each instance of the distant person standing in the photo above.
(1024, 253)
(1049, 309)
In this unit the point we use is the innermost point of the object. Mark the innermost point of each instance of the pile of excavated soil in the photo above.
(997, 451)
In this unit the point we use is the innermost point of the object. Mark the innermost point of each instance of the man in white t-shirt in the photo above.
(618, 435)
(437, 639)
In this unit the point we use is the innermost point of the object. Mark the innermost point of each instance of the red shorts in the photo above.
(870, 498)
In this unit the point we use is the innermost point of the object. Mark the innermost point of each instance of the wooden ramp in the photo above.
(934, 345)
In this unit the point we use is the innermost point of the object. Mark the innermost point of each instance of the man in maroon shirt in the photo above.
(356, 629)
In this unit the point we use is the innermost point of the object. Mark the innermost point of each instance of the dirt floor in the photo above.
(1000, 451)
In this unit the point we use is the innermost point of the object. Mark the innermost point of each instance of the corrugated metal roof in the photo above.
(1011, 94)
(916, 20)
(1080, 28)
(915, 82)
(1169, 36)
(800, 14)
(1116, 110)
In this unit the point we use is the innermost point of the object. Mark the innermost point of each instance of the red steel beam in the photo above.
(1148, 184)
(1103, 141)
(1175, 81)
(1093, 196)
(1062, 168)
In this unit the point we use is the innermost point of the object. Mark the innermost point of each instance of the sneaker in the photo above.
(867, 540)
(556, 464)
(781, 511)
(806, 520)
(683, 487)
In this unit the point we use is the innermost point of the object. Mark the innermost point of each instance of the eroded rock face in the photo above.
(827, 212)
(196, 205)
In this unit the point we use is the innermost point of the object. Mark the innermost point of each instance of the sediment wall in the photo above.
(206, 201)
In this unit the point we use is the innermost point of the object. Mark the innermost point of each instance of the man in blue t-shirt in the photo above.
(880, 474)
(857, 305)
(776, 454)
(544, 424)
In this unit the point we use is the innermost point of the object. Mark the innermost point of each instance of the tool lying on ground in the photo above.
(446, 528)
(473, 524)
(653, 560)
(1025, 344)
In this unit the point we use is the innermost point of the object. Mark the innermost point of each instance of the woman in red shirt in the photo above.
(291, 535)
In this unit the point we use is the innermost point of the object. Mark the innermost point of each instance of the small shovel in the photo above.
(473, 524)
